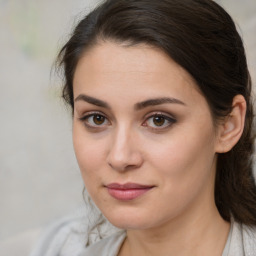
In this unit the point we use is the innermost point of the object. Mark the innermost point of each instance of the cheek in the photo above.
(90, 153)
(185, 159)
(184, 168)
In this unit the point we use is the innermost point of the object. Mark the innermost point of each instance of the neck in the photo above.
(199, 233)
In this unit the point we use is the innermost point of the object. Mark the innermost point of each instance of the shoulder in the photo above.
(249, 239)
(243, 240)
(106, 247)
(71, 235)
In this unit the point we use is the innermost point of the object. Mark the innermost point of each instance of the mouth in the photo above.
(128, 191)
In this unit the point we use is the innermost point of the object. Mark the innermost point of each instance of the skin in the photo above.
(178, 215)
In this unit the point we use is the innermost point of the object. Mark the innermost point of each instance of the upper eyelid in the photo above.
(167, 117)
(145, 117)
(154, 113)
(91, 113)
(160, 113)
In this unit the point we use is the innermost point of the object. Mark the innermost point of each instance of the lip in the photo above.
(127, 191)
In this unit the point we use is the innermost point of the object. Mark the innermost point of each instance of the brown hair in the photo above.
(201, 37)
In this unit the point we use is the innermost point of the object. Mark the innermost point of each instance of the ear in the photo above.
(230, 131)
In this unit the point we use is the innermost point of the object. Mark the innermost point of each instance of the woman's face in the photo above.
(143, 136)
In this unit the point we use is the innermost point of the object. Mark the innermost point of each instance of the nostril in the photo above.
(125, 163)
(124, 167)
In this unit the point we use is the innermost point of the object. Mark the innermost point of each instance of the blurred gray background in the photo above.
(39, 177)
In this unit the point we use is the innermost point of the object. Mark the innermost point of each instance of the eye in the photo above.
(94, 120)
(159, 121)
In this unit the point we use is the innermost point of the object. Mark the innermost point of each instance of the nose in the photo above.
(124, 153)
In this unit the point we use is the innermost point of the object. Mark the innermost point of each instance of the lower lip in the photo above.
(127, 194)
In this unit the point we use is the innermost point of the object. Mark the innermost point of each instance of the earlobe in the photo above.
(231, 129)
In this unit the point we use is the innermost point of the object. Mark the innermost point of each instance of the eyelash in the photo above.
(168, 120)
(85, 118)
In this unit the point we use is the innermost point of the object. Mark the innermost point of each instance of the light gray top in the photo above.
(109, 246)
(241, 242)
(79, 236)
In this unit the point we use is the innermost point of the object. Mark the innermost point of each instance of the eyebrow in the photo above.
(92, 100)
(137, 106)
(157, 101)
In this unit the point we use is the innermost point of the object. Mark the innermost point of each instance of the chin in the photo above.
(129, 219)
(126, 224)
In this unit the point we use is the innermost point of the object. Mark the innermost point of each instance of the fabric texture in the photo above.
(87, 233)
(69, 236)
(241, 242)
(109, 246)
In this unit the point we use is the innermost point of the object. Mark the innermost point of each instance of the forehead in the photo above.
(139, 70)
(109, 56)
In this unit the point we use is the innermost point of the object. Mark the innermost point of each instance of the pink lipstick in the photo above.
(128, 191)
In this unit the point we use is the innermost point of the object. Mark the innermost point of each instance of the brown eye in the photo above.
(98, 119)
(95, 120)
(158, 120)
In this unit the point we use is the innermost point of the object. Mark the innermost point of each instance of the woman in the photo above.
(162, 129)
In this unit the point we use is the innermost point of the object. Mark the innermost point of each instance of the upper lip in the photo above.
(127, 186)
